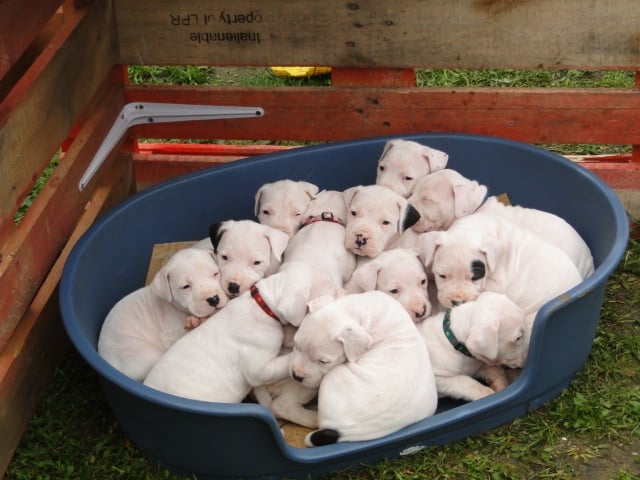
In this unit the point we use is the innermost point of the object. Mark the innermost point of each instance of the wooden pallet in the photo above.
(63, 83)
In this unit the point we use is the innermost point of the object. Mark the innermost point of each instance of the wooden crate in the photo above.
(63, 83)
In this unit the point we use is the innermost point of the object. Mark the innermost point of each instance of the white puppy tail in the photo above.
(324, 436)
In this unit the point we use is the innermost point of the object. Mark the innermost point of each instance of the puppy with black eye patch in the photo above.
(377, 217)
(246, 251)
(485, 252)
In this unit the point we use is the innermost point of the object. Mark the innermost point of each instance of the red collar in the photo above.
(255, 293)
(323, 217)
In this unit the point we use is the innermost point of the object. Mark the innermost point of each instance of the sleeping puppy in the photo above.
(246, 251)
(404, 161)
(223, 359)
(473, 341)
(377, 217)
(145, 323)
(370, 363)
(399, 273)
(280, 204)
(446, 195)
(485, 252)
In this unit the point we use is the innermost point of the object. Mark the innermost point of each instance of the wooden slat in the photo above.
(383, 33)
(31, 249)
(39, 342)
(605, 116)
(40, 110)
(20, 22)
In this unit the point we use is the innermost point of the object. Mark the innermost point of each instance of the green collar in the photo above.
(457, 344)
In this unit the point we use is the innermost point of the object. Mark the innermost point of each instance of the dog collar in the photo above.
(255, 293)
(323, 217)
(457, 344)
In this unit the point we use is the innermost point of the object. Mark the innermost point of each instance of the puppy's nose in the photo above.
(233, 288)
(360, 240)
(421, 313)
(296, 377)
(213, 301)
(455, 303)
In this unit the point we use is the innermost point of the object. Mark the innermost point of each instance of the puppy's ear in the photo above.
(277, 239)
(387, 147)
(258, 198)
(484, 341)
(427, 245)
(349, 193)
(436, 159)
(409, 217)
(492, 249)
(366, 276)
(310, 189)
(355, 341)
(215, 234)
(160, 284)
(467, 197)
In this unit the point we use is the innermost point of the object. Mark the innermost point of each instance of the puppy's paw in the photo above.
(192, 322)
(325, 436)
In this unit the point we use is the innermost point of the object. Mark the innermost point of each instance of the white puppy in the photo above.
(472, 341)
(223, 359)
(246, 251)
(318, 243)
(400, 273)
(551, 227)
(484, 252)
(377, 217)
(370, 363)
(145, 323)
(280, 204)
(446, 195)
(404, 161)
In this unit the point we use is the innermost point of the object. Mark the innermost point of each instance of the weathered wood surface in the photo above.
(40, 110)
(29, 251)
(20, 22)
(607, 116)
(39, 342)
(382, 33)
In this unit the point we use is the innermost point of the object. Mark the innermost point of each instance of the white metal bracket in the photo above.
(138, 113)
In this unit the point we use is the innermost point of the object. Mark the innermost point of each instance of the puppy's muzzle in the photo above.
(213, 301)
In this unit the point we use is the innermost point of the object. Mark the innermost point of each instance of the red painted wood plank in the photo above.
(602, 116)
(373, 77)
